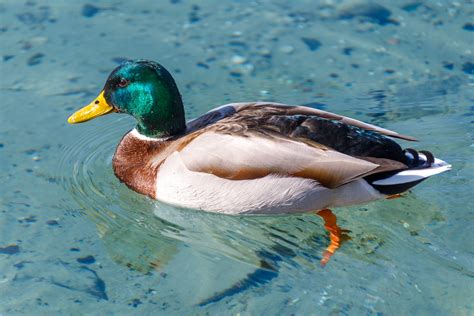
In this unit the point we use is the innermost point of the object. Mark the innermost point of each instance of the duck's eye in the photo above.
(123, 82)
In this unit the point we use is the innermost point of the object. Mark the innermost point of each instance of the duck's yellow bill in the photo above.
(96, 108)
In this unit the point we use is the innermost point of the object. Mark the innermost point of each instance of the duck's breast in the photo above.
(135, 162)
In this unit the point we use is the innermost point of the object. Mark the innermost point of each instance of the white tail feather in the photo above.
(412, 175)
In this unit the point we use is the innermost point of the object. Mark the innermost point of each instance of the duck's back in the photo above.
(304, 124)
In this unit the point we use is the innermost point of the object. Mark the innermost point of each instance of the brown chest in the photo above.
(135, 163)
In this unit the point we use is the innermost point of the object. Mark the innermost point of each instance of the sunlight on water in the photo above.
(74, 240)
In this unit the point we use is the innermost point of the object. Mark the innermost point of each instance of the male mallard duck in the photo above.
(250, 158)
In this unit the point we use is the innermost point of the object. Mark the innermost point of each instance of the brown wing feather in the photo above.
(255, 155)
(327, 147)
(314, 127)
(262, 109)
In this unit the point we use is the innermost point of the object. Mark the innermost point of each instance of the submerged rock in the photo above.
(10, 249)
(36, 59)
(312, 43)
(468, 27)
(412, 6)
(374, 12)
(468, 68)
(86, 260)
(89, 10)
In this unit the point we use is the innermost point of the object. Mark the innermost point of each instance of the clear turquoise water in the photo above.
(73, 240)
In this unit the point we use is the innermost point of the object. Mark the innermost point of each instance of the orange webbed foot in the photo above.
(337, 235)
(394, 196)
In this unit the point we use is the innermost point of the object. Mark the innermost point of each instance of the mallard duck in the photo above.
(251, 157)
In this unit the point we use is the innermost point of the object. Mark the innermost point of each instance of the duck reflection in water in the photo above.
(264, 242)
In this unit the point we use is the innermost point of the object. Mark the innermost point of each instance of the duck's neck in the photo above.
(166, 116)
(154, 101)
(137, 160)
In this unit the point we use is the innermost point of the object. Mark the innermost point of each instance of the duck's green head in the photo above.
(145, 90)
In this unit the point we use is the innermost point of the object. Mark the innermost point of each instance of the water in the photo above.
(74, 240)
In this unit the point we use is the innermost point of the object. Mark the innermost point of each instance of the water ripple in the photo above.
(146, 235)
(139, 232)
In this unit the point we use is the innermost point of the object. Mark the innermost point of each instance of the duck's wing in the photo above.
(263, 110)
(287, 114)
(256, 140)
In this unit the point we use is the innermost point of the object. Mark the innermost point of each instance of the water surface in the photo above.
(74, 240)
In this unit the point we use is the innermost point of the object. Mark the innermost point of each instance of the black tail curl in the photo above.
(414, 161)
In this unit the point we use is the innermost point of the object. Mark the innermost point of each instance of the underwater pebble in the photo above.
(30, 151)
(151, 291)
(312, 43)
(410, 7)
(37, 18)
(135, 302)
(370, 243)
(89, 10)
(347, 51)
(238, 44)
(193, 15)
(21, 264)
(236, 34)
(301, 17)
(52, 222)
(373, 11)
(242, 69)
(468, 27)
(86, 260)
(237, 59)
(468, 68)
(8, 57)
(287, 49)
(202, 65)
(40, 302)
(265, 52)
(29, 219)
(36, 59)
(448, 65)
(10, 249)
(424, 240)
(36, 41)
(365, 27)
